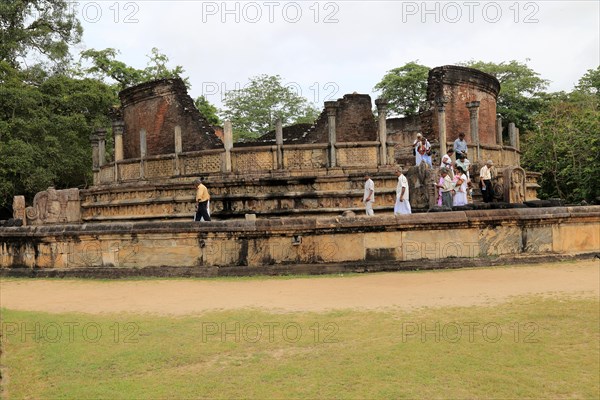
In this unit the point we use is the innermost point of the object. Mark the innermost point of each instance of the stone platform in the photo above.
(300, 245)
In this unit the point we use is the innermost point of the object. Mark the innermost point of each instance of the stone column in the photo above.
(382, 129)
(101, 134)
(331, 107)
(512, 134)
(178, 148)
(499, 140)
(473, 107)
(118, 128)
(228, 143)
(441, 109)
(143, 145)
(279, 142)
(95, 150)
(143, 149)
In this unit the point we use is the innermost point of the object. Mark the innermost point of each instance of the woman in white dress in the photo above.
(460, 196)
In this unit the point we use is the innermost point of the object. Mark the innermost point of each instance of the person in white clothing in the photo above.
(369, 196)
(415, 146)
(402, 205)
(447, 163)
(424, 149)
(460, 187)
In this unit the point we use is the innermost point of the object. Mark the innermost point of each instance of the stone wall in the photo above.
(290, 244)
(460, 85)
(159, 108)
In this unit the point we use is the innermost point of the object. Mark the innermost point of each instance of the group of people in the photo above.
(455, 180)
(454, 186)
(402, 204)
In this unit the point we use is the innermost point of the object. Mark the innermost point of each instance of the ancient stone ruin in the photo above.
(139, 211)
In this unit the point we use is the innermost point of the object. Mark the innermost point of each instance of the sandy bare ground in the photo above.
(404, 290)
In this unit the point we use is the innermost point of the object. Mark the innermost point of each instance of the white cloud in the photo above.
(561, 38)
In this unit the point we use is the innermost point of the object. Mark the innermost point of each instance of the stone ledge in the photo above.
(283, 269)
(420, 221)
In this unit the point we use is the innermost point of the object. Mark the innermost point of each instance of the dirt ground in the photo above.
(378, 291)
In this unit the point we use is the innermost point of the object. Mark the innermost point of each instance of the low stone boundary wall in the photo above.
(307, 245)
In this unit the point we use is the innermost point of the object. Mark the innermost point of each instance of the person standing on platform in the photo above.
(402, 205)
(485, 182)
(415, 146)
(369, 196)
(460, 195)
(446, 186)
(460, 145)
(447, 162)
(424, 149)
(202, 198)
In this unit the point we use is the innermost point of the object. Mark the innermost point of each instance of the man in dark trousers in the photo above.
(485, 182)
(202, 198)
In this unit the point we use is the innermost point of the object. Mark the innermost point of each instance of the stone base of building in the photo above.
(301, 245)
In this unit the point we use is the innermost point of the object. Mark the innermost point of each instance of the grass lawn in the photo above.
(532, 347)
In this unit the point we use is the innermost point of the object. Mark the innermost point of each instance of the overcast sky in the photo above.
(328, 48)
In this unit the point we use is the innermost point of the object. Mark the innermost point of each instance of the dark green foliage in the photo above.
(254, 109)
(207, 110)
(405, 88)
(44, 131)
(565, 146)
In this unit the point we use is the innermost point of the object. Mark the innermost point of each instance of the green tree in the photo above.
(405, 88)
(40, 29)
(208, 110)
(254, 109)
(564, 147)
(521, 93)
(105, 65)
(45, 125)
(590, 82)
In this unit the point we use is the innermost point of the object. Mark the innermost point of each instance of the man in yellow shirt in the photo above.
(202, 198)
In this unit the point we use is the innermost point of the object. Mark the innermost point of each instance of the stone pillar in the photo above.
(143, 146)
(441, 109)
(512, 134)
(331, 107)
(101, 133)
(228, 143)
(177, 138)
(499, 140)
(143, 149)
(382, 130)
(95, 150)
(279, 142)
(178, 148)
(473, 107)
(118, 128)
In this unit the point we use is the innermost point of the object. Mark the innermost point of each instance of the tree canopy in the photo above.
(521, 90)
(254, 109)
(405, 88)
(37, 30)
(105, 65)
